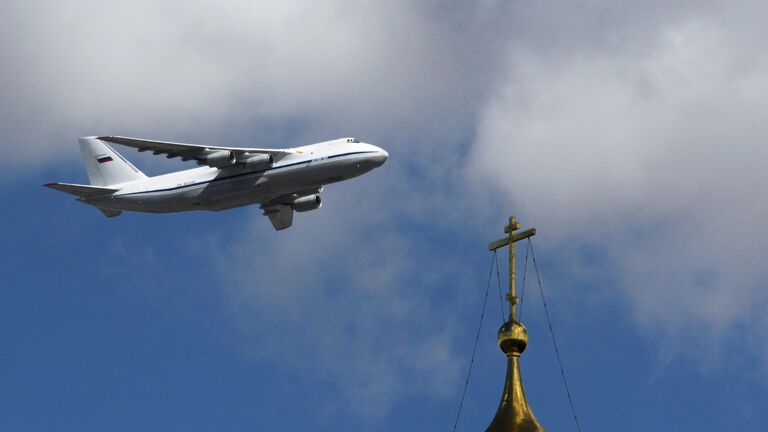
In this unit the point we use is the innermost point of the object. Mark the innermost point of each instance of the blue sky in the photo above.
(632, 137)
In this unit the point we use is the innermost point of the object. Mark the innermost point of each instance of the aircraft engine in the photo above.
(256, 162)
(307, 203)
(221, 159)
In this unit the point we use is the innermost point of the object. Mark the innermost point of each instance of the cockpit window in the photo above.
(353, 140)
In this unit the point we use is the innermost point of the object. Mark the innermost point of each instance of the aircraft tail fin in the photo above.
(105, 166)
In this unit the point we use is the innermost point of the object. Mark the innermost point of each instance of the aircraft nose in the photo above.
(381, 157)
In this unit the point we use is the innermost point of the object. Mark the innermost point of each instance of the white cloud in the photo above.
(202, 70)
(658, 156)
(350, 303)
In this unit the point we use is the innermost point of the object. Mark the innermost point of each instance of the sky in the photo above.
(630, 134)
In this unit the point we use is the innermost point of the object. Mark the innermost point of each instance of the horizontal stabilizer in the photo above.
(82, 191)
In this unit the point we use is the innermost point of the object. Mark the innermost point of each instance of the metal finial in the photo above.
(514, 413)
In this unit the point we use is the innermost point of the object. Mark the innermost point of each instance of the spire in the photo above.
(514, 414)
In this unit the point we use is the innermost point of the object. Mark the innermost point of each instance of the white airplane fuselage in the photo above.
(207, 188)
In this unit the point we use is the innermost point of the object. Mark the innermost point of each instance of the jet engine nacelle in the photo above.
(257, 162)
(221, 159)
(307, 203)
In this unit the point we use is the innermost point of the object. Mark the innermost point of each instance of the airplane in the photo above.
(281, 181)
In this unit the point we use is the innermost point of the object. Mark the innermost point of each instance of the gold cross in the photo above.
(510, 241)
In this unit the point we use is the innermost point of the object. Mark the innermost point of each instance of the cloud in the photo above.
(203, 71)
(655, 154)
(349, 302)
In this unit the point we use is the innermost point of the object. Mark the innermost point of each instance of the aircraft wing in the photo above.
(201, 153)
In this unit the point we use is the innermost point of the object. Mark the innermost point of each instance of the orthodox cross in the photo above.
(510, 240)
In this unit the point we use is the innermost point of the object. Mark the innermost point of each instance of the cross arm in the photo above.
(515, 238)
